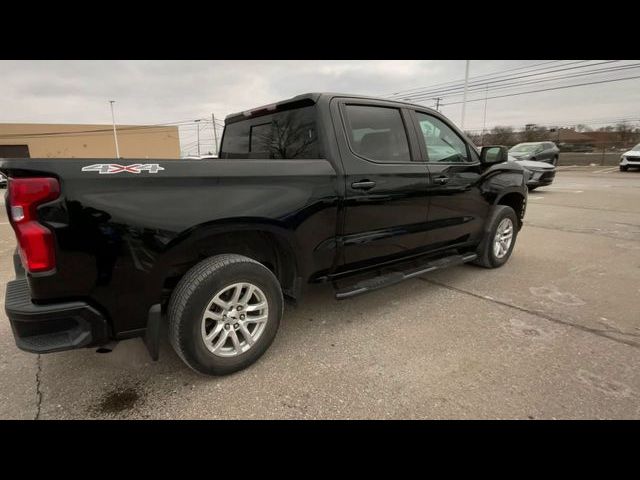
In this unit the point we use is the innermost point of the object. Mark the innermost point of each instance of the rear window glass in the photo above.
(282, 135)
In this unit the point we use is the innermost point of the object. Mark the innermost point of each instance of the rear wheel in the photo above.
(499, 238)
(224, 314)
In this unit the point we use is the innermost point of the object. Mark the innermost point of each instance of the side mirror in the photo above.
(494, 154)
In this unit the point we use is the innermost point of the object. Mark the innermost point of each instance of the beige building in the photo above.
(39, 140)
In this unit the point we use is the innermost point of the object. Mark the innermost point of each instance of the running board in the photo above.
(392, 278)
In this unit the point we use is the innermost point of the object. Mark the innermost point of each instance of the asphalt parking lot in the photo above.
(555, 333)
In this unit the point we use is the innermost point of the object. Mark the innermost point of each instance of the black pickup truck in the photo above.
(357, 191)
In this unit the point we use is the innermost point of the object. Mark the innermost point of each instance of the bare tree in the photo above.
(476, 138)
(286, 137)
(502, 135)
(534, 133)
(625, 132)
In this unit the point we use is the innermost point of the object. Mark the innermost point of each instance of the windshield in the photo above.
(525, 147)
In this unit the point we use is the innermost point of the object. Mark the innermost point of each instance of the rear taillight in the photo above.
(35, 241)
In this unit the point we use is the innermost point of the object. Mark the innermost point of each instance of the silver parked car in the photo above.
(536, 151)
(540, 173)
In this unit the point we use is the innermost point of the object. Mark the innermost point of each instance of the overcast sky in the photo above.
(148, 92)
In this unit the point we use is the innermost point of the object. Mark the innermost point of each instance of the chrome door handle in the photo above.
(363, 185)
(441, 180)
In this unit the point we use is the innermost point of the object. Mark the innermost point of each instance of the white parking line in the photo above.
(606, 170)
(564, 190)
(574, 167)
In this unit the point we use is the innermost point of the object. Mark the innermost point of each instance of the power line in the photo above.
(549, 89)
(449, 90)
(94, 131)
(498, 77)
(493, 78)
(601, 71)
(552, 81)
(73, 134)
(403, 92)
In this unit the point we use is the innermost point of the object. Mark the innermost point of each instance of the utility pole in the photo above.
(464, 98)
(198, 127)
(115, 135)
(484, 121)
(215, 133)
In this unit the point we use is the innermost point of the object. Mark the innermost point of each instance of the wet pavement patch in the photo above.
(121, 398)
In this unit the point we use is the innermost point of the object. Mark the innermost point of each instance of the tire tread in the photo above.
(484, 249)
(185, 289)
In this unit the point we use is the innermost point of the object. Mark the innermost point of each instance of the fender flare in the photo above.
(185, 246)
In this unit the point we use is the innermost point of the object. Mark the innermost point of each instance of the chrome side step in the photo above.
(392, 278)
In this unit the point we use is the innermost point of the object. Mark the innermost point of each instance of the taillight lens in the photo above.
(35, 241)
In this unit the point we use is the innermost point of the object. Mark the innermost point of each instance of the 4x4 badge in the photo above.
(109, 168)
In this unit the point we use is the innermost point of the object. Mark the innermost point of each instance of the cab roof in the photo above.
(308, 99)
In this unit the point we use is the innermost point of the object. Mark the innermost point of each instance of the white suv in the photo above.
(630, 159)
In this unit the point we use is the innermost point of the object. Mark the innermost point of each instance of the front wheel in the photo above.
(224, 313)
(499, 238)
(624, 168)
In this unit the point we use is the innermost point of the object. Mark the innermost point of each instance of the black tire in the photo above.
(486, 257)
(192, 295)
(624, 168)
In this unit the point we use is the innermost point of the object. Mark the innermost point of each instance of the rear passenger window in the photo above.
(377, 133)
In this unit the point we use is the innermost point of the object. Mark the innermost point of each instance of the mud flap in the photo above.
(152, 334)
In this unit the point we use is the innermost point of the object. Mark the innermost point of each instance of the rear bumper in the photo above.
(52, 327)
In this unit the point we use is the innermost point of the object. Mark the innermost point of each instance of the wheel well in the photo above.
(264, 247)
(515, 201)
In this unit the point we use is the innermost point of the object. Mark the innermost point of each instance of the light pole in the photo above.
(215, 133)
(198, 127)
(464, 98)
(115, 134)
(484, 121)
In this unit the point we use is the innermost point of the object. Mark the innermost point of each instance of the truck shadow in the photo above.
(126, 383)
(321, 314)
(319, 311)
